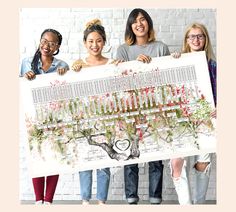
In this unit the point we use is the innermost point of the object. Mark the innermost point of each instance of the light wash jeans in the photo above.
(103, 180)
(201, 181)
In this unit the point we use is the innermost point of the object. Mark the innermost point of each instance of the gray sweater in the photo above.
(153, 49)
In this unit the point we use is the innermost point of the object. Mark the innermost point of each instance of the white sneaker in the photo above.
(47, 203)
(85, 202)
(40, 202)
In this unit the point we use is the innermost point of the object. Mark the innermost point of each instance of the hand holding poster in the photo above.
(111, 115)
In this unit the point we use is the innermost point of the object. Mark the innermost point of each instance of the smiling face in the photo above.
(48, 44)
(140, 26)
(94, 43)
(196, 40)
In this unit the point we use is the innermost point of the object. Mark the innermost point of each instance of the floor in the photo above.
(109, 202)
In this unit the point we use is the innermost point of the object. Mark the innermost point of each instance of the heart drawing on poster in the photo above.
(122, 145)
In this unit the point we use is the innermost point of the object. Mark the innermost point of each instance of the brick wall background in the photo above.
(169, 25)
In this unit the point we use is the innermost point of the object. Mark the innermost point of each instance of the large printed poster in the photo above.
(113, 115)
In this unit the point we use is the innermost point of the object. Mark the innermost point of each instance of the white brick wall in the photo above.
(169, 25)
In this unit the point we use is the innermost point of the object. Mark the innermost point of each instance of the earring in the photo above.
(56, 52)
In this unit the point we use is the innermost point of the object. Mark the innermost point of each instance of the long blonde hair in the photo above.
(207, 47)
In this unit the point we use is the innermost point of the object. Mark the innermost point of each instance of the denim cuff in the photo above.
(133, 200)
(155, 200)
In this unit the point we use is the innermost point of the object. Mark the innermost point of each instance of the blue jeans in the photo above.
(103, 180)
(155, 182)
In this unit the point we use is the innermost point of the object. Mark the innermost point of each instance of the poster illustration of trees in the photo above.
(110, 115)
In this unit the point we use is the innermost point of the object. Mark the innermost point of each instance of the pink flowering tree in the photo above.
(166, 119)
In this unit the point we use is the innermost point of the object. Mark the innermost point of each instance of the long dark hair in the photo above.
(130, 37)
(37, 55)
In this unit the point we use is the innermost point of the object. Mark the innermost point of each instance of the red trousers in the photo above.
(51, 184)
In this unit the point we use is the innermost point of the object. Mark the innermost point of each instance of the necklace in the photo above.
(142, 45)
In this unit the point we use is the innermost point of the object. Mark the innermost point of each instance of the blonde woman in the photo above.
(196, 38)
